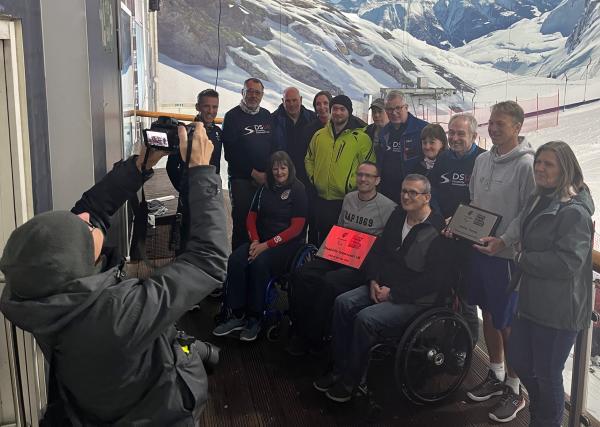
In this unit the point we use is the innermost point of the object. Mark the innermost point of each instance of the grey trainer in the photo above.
(229, 326)
(508, 406)
(491, 386)
(251, 330)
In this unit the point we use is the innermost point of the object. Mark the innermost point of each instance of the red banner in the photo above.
(346, 246)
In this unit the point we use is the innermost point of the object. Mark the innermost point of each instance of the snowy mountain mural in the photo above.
(313, 45)
(309, 44)
(563, 41)
(446, 23)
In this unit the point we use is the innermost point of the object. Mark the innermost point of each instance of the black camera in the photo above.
(209, 353)
(163, 134)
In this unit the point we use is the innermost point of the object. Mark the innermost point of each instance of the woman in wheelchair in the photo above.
(407, 267)
(275, 225)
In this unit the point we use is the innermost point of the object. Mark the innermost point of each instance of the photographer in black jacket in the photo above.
(114, 353)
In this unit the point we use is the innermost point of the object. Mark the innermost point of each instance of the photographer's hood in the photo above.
(46, 253)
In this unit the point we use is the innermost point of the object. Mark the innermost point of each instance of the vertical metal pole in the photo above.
(537, 111)
(557, 105)
(565, 95)
(579, 381)
(586, 76)
(436, 107)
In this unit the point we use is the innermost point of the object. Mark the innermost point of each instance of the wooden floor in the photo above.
(259, 384)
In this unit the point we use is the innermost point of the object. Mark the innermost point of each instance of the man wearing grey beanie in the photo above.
(111, 342)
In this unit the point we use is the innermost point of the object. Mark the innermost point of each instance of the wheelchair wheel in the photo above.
(305, 254)
(274, 333)
(434, 356)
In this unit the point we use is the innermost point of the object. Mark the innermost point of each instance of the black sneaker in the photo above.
(491, 386)
(508, 406)
(326, 382)
(339, 393)
(298, 346)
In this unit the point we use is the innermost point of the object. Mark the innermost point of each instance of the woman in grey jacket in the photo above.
(554, 254)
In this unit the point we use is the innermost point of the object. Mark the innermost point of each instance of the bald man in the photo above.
(289, 120)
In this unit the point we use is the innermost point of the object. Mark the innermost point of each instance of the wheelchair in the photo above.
(275, 294)
(276, 306)
(432, 357)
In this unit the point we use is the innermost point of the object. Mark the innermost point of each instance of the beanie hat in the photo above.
(47, 252)
(342, 100)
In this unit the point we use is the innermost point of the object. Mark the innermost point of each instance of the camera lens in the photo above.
(209, 353)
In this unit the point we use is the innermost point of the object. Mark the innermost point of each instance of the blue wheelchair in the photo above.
(276, 300)
(276, 304)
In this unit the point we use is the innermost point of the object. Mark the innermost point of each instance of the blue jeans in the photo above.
(359, 324)
(537, 354)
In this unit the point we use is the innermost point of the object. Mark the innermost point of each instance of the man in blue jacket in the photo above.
(399, 145)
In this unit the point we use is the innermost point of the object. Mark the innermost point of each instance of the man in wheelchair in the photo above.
(405, 270)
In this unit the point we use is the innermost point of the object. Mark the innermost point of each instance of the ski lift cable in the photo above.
(218, 44)
(280, 47)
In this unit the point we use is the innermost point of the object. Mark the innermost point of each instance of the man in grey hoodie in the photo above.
(501, 183)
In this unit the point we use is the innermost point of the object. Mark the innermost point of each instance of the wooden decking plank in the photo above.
(259, 384)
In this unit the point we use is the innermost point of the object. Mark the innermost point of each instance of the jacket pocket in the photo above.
(191, 377)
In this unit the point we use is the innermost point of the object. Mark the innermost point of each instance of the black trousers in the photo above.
(241, 193)
(247, 281)
(314, 289)
(326, 216)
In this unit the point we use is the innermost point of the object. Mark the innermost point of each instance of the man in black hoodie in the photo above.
(207, 106)
(248, 143)
(114, 352)
(405, 273)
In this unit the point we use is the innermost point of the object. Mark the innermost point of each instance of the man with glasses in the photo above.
(451, 174)
(399, 144)
(248, 143)
(317, 283)
(114, 352)
(450, 178)
(404, 272)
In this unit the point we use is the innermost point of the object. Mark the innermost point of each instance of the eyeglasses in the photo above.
(412, 193)
(395, 109)
(366, 175)
(253, 92)
(459, 134)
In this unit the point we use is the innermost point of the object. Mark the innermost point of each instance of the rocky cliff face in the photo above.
(292, 41)
(447, 23)
(588, 27)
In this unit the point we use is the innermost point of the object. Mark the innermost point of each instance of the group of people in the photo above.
(293, 174)
(401, 179)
